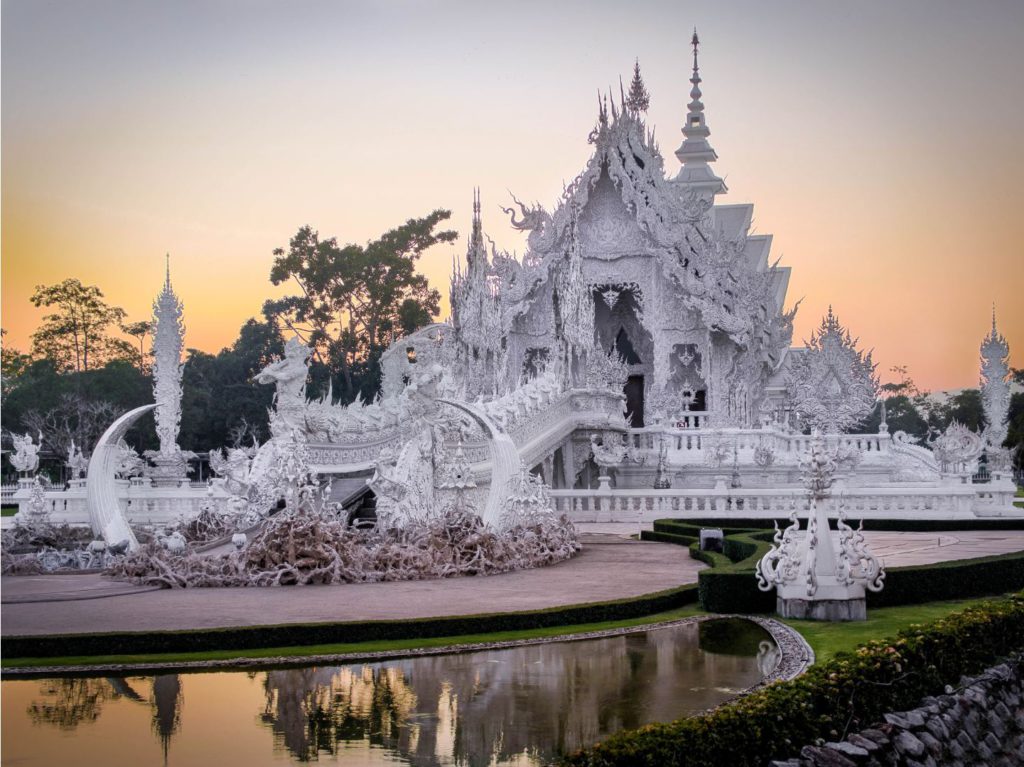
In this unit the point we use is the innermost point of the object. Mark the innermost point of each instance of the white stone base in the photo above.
(822, 609)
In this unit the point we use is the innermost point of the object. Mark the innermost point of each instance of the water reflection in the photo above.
(520, 706)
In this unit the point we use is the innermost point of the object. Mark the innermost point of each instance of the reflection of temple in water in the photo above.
(166, 700)
(486, 707)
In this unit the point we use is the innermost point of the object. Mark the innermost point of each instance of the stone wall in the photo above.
(980, 723)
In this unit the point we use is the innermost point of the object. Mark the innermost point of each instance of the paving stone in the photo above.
(825, 757)
(932, 745)
(1000, 710)
(861, 742)
(848, 749)
(984, 753)
(995, 724)
(955, 750)
(937, 728)
(909, 745)
(877, 736)
(899, 720)
(916, 718)
(993, 743)
(965, 741)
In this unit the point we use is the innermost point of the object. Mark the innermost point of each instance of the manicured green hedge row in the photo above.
(846, 694)
(959, 579)
(679, 540)
(299, 635)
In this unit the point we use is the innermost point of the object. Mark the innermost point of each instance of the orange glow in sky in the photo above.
(880, 145)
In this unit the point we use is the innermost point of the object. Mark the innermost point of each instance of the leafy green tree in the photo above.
(12, 365)
(354, 300)
(221, 404)
(139, 331)
(1015, 430)
(77, 335)
(967, 408)
(901, 414)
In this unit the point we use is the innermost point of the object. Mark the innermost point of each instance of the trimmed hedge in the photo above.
(846, 694)
(957, 579)
(302, 635)
(730, 585)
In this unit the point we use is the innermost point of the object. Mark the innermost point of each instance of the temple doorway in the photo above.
(634, 391)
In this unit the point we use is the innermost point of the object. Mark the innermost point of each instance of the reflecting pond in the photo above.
(516, 706)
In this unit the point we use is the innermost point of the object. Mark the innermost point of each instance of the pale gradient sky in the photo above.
(880, 144)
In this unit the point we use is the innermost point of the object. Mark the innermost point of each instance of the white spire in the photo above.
(995, 385)
(168, 343)
(695, 152)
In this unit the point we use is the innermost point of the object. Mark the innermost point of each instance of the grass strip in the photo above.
(828, 639)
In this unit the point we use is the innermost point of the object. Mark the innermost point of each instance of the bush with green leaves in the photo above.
(847, 694)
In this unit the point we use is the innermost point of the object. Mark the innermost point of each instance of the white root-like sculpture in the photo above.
(813, 577)
(310, 542)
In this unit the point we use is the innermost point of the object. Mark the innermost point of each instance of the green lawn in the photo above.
(827, 639)
(8, 511)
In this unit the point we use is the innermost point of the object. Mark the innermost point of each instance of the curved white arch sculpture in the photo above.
(105, 515)
(504, 461)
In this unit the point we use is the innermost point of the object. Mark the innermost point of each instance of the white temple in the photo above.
(637, 359)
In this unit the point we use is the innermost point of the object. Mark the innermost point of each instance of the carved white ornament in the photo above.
(832, 384)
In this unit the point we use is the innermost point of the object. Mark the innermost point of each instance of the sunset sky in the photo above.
(881, 144)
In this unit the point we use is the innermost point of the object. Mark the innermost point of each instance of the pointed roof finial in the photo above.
(167, 278)
(638, 99)
(993, 316)
(695, 152)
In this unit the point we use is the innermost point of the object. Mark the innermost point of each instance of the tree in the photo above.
(221, 404)
(12, 365)
(1015, 431)
(966, 408)
(355, 300)
(901, 414)
(76, 337)
(139, 330)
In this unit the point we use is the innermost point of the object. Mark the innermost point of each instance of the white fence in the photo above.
(938, 502)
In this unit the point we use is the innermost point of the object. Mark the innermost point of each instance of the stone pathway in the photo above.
(611, 566)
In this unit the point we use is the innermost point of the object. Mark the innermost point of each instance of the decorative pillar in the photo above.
(170, 465)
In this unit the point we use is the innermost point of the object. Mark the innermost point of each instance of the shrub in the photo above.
(848, 693)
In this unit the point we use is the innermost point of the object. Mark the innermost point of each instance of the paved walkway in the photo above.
(611, 566)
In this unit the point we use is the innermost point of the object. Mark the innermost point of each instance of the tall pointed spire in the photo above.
(695, 152)
(476, 254)
(638, 99)
(168, 344)
(995, 384)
